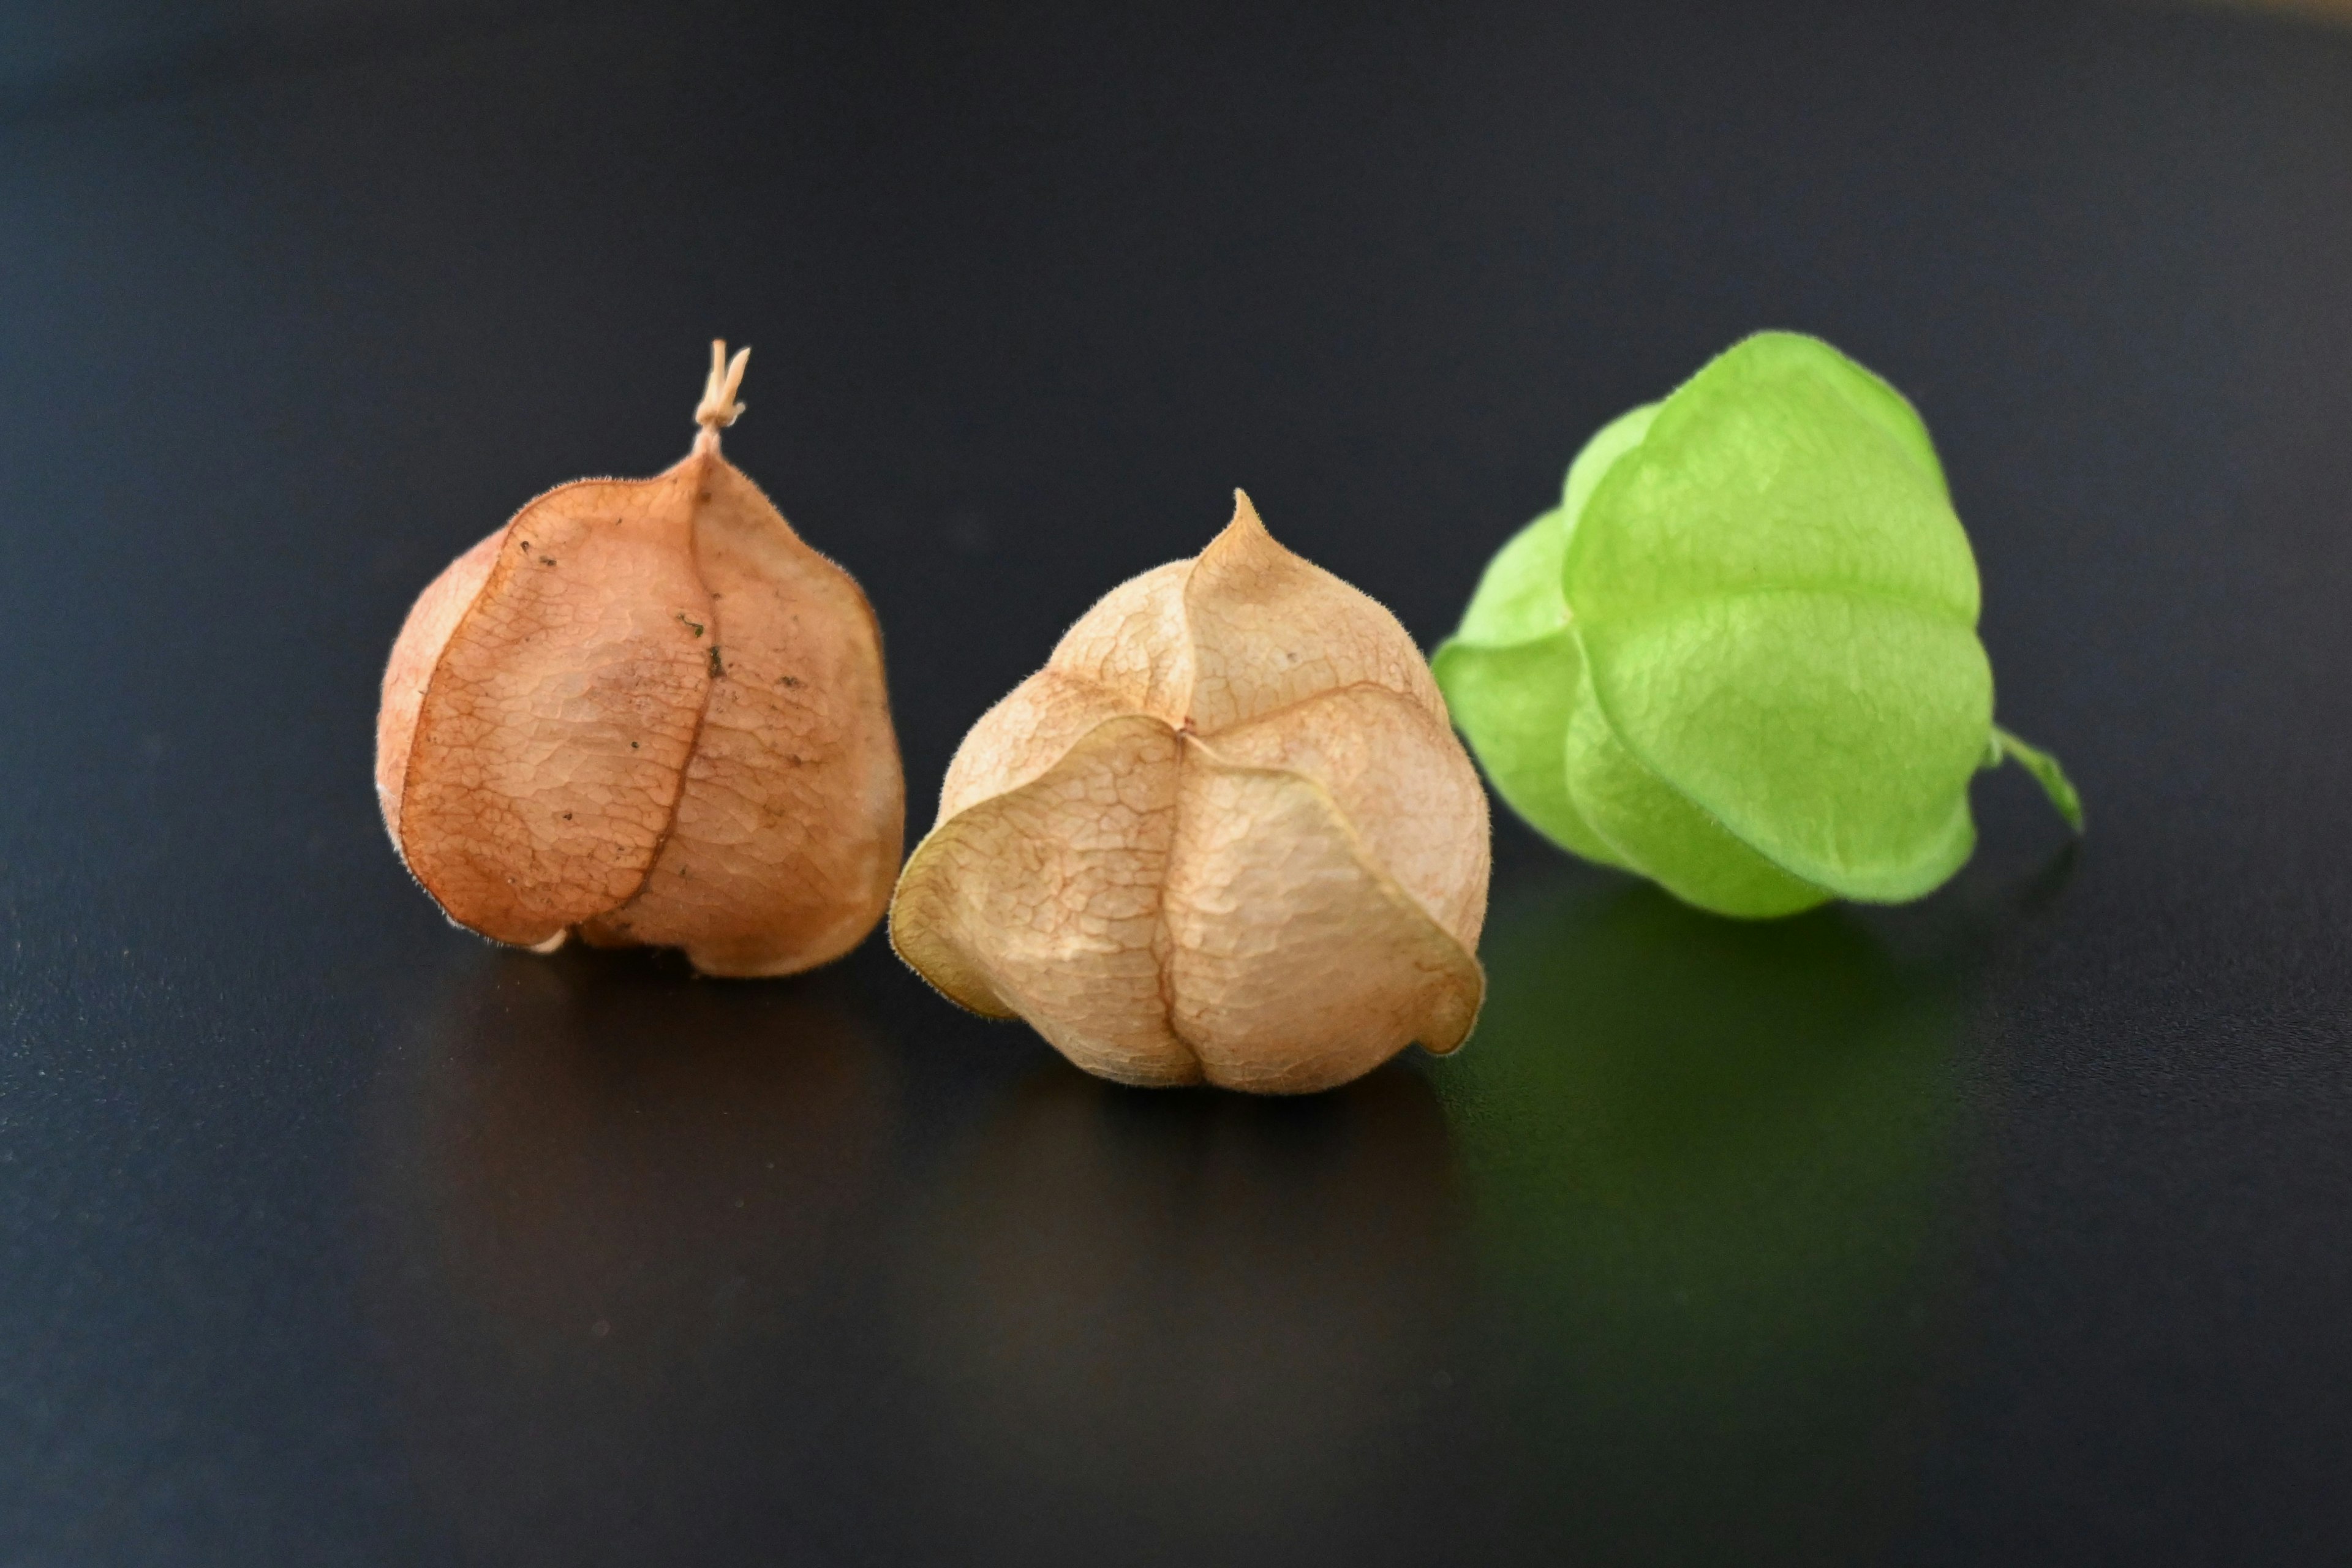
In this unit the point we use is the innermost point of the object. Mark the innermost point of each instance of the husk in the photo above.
(1226, 835)
(646, 713)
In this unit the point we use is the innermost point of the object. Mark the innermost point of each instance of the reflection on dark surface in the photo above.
(1184, 1326)
(671, 1270)
(1706, 1157)
(612, 1196)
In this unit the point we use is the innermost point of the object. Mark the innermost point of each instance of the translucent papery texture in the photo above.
(646, 713)
(1740, 658)
(1226, 835)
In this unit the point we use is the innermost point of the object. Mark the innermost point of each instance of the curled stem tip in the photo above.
(2046, 770)
(718, 407)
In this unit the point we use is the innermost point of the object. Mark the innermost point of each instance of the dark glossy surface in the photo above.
(2015, 1227)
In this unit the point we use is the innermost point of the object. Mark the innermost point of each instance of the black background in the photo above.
(2012, 1227)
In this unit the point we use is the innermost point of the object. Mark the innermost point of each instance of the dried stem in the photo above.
(718, 407)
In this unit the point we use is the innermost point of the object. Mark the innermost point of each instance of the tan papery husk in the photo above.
(1226, 835)
(646, 713)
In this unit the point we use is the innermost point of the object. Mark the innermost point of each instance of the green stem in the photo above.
(2044, 769)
